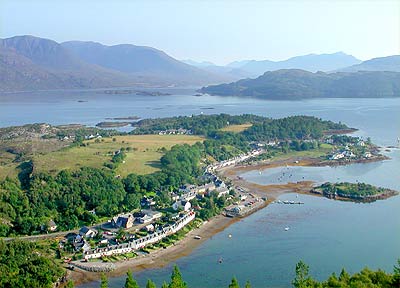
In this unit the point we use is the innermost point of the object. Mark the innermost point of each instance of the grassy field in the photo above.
(7, 167)
(8, 170)
(143, 158)
(315, 153)
(28, 148)
(237, 128)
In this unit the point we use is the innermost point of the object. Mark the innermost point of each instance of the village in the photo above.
(140, 232)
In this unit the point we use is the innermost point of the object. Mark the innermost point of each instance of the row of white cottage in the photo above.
(235, 160)
(141, 242)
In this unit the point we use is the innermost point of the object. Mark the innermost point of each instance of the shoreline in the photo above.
(162, 257)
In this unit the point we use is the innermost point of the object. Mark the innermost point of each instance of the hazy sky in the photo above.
(217, 31)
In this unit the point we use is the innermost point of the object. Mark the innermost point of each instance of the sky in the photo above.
(217, 31)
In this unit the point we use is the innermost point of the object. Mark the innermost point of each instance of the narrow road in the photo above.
(41, 236)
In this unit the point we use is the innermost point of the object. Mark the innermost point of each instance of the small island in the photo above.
(111, 124)
(136, 92)
(359, 192)
(125, 118)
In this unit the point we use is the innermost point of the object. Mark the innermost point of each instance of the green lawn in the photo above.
(237, 128)
(315, 153)
(143, 158)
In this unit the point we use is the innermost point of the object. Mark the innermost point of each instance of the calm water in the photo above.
(326, 234)
(384, 173)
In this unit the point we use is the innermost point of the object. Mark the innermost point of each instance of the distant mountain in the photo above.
(238, 64)
(389, 63)
(31, 63)
(43, 52)
(18, 72)
(311, 62)
(141, 61)
(229, 73)
(294, 84)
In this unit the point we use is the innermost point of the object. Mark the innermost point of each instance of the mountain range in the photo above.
(254, 68)
(335, 62)
(295, 84)
(311, 62)
(389, 63)
(33, 63)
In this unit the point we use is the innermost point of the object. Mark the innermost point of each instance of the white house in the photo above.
(149, 215)
(174, 196)
(87, 232)
(52, 226)
(184, 205)
(149, 228)
(222, 191)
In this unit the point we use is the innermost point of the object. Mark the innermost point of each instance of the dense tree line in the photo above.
(198, 124)
(366, 278)
(24, 264)
(66, 198)
(291, 128)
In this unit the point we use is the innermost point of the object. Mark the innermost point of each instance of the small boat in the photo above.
(286, 228)
(197, 237)
(230, 235)
(220, 260)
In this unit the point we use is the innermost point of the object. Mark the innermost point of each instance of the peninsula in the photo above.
(158, 191)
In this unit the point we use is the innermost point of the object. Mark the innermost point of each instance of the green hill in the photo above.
(294, 84)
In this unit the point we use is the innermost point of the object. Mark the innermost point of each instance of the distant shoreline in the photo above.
(110, 124)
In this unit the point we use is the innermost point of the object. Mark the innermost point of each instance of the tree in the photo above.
(302, 279)
(248, 285)
(70, 284)
(234, 283)
(396, 275)
(176, 279)
(23, 264)
(151, 284)
(104, 281)
(130, 282)
(344, 276)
